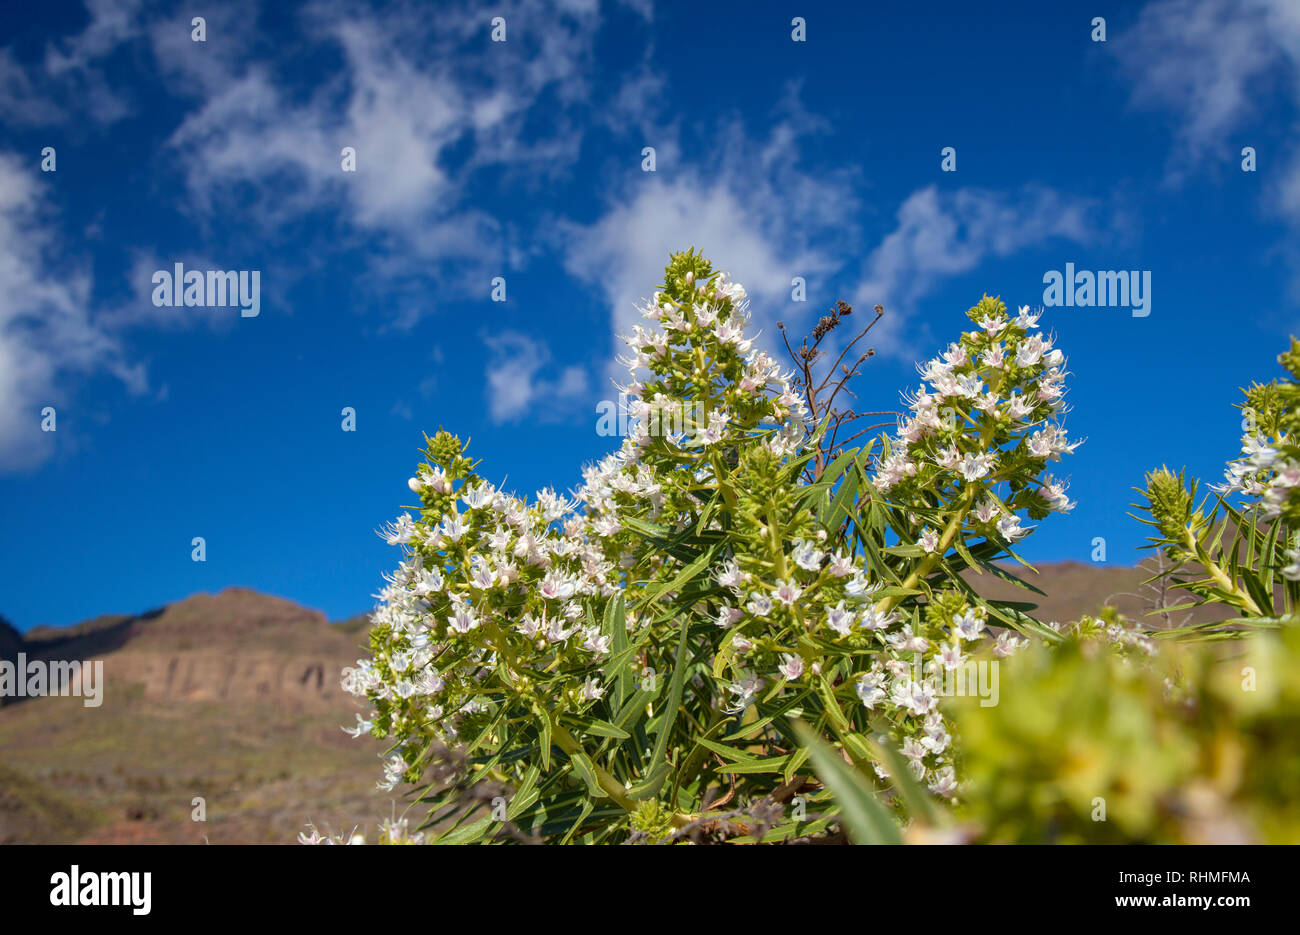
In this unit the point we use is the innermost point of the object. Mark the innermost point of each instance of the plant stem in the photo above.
(886, 604)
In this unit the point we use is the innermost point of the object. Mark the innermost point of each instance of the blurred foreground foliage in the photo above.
(1198, 744)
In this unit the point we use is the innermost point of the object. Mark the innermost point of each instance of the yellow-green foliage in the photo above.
(1200, 744)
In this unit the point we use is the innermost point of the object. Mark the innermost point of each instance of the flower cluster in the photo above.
(1268, 471)
(984, 429)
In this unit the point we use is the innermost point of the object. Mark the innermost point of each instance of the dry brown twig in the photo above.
(823, 391)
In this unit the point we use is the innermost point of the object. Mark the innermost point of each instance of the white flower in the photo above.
(807, 556)
(482, 577)
(1030, 351)
(858, 585)
(743, 693)
(732, 290)
(1026, 319)
(969, 386)
(760, 605)
(791, 666)
(912, 749)
(529, 625)
(1054, 493)
(478, 497)
(929, 540)
(453, 526)
(594, 642)
(1009, 527)
(1019, 408)
(994, 324)
(968, 625)
(906, 640)
(591, 690)
(840, 565)
(987, 510)
(873, 619)
(787, 592)
(869, 690)
(363, 727)
(729, 575)
(555, 587)
(839, 619)
(431, 682)
(913, 696)
(462, 619)
(428, 582)
(728, 616)
(1292, 571)
(945, 782)
(973, 467)
(1008, 643)
(556, 633)
(1259, 451)
(936, 737)
(401, 531)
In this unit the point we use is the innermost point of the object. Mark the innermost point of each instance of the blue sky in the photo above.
(523, 159)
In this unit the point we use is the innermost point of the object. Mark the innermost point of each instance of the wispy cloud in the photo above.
(1213, 64)
(762, 214)
(46, 327)
(767, 219)
(516, 385)
(944, 234)
(1216, 67)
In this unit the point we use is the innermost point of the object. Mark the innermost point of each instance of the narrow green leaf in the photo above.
(865, 819)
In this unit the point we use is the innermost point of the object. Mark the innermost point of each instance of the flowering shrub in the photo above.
(624, 662)
(1249, 552)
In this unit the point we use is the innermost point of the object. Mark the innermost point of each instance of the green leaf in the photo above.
(650, 786)
(917, 800)
(864, 818)
(583, 766)
(525, 794)
(469, 834)
(726, 752)
(616, 629)
(669, 715)
(545, 739)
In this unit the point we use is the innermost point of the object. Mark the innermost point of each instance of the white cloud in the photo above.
(112, 22)
(765, 219)
(1212, 63)
(72, 82)
(46, 328)
(624, 253)
(424, 99)
(514, 386)
(1219, 67)
(940, 235)
(758, 214)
